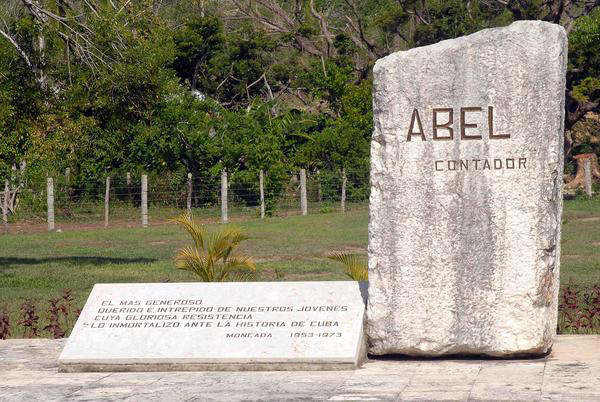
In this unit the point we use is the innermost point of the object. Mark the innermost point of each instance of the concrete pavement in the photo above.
(28, 372)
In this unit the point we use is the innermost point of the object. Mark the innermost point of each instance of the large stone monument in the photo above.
(466, 194)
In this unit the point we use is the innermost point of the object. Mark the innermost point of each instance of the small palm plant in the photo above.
(213, 257)
(356, 268)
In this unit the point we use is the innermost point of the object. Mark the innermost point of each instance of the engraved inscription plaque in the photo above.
(218, 326)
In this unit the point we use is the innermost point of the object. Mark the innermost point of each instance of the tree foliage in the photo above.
(101, 86)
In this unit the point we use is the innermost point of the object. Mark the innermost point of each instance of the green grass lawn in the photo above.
(38, 266)
(580, 244)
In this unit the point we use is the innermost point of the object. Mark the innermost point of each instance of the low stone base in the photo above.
(461, 351)
(317, 365)
(462, 356)
(165, 367)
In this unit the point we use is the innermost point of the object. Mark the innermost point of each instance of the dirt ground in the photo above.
(37, 226)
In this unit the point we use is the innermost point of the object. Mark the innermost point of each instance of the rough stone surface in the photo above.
(28, 372)
(218, 326)
(464, 232)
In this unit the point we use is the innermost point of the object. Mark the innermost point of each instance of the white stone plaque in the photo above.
(218, 326)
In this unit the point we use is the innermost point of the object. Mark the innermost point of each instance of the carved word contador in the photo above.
(445, 131)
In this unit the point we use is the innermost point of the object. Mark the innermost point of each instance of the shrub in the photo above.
(4, 323)
(579, 310)
(59, 318)
(213, 256)
(30, 319)
(54, 326)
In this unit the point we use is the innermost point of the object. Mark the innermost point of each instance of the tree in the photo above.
(200, 85)
(584, 69)
(197, 41)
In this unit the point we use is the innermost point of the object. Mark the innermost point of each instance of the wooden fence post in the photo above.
(144, 200)
(319, 192)
(106, 201)
(587, 168)
(5, 206)
(68, 183)
(224, 217)
(303, 200)
(261, 182)
(50, 194)
(128, 179)
(344, 180)
(189, 195)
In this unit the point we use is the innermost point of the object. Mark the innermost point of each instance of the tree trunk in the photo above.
(579, 180)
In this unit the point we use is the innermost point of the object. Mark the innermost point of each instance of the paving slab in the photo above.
(29, 371)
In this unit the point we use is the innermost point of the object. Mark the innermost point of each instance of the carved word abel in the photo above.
(447, 127)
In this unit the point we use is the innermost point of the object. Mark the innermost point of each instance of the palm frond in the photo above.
(356, 268)
(241, 276)
(240, 262)
(224, 240)
(239, 268)
(197, 232)
(213, 256)
(190, 259)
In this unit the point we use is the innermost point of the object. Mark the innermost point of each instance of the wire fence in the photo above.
(146, 200)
